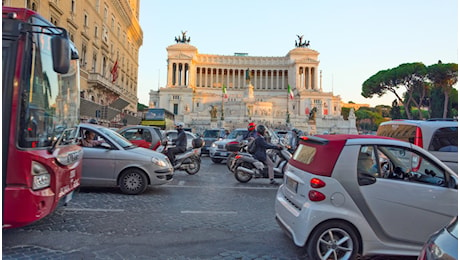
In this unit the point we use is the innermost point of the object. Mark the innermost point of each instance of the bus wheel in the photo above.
(133, 181)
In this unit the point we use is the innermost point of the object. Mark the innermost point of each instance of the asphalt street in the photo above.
(204, 216)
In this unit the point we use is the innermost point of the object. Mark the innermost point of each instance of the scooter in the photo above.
(245, 166)
(189, 161)
(235, 147)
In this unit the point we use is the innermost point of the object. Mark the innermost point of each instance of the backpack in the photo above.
(252, 145)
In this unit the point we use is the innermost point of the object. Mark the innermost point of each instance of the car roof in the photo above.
(424, 123)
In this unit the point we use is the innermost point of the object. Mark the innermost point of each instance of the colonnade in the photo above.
(236, 78)
(261, 79)
(306, 78)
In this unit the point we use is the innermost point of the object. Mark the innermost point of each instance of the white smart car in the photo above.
(349, 195)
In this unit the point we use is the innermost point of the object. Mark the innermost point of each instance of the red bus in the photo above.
(41, 161)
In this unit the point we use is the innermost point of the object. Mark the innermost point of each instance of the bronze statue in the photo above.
(182, 39)
(248, 75)
(213, 112)
(301, 44)
(313, 113)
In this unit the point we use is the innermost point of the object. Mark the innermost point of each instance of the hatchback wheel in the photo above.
(333, 241)
(133, 181)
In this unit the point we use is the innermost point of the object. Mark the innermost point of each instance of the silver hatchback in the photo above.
(111, 160)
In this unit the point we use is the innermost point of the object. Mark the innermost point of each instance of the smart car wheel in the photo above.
(242, 176)
(193, 167)
(133, 181)
(333, 240)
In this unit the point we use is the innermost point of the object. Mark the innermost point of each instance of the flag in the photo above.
(114, 71)
(290, 93)
(224, 91)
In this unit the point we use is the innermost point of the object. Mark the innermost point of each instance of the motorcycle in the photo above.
(189, 161)
(245, 166)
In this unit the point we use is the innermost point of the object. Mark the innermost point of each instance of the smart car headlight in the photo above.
(159, 162)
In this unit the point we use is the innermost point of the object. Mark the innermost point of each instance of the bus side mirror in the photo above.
(60, 47)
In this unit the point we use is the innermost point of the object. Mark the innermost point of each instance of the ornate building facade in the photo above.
(205, 90)
(108, 36)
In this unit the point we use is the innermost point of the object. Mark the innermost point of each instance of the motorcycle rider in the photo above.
(180, 142)
(261, 154)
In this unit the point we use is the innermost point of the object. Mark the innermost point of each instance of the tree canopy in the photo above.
(418, 81)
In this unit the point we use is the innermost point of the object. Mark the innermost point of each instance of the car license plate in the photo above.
(292, 184)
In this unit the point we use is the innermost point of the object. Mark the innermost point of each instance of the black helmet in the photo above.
(92, 121)
(261, 129)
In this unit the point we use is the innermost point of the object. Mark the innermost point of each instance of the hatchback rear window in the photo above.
(317, 158)
(399, 131)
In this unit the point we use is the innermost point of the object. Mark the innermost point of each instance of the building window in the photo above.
(176, 109)
(85, 20)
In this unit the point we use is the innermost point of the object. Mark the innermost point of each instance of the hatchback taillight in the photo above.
(315, 195)
(317, 183)
(418, 140)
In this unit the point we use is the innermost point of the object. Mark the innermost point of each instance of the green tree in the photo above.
(444, 76)
(407, 75)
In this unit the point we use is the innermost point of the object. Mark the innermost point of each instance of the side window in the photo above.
(91, 139)
(130, 134)
(367, 161)
(444, 140)
(147, 136)
(407, 165)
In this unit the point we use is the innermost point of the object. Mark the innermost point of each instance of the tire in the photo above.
(133, 181)
(229, 160)
(333, 240)
(216, 160)
(194, 166)
(241, 176)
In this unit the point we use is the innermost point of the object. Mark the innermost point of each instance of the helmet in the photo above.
(261, 129)
(92, 121)
(179, 124)
(251, 126)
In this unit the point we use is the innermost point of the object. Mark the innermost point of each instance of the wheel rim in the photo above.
(193, 167)
(335, 243)
(132, 181)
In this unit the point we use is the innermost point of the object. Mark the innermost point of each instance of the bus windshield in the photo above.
(49, 102)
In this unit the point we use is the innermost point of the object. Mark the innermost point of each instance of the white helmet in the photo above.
(180, 124)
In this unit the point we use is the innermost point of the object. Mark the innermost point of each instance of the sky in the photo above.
(355, 39)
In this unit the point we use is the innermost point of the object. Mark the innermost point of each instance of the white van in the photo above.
(439, 137)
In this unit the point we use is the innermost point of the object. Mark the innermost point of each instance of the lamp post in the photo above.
(222, 109)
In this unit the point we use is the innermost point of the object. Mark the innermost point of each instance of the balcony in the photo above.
(99, 81)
